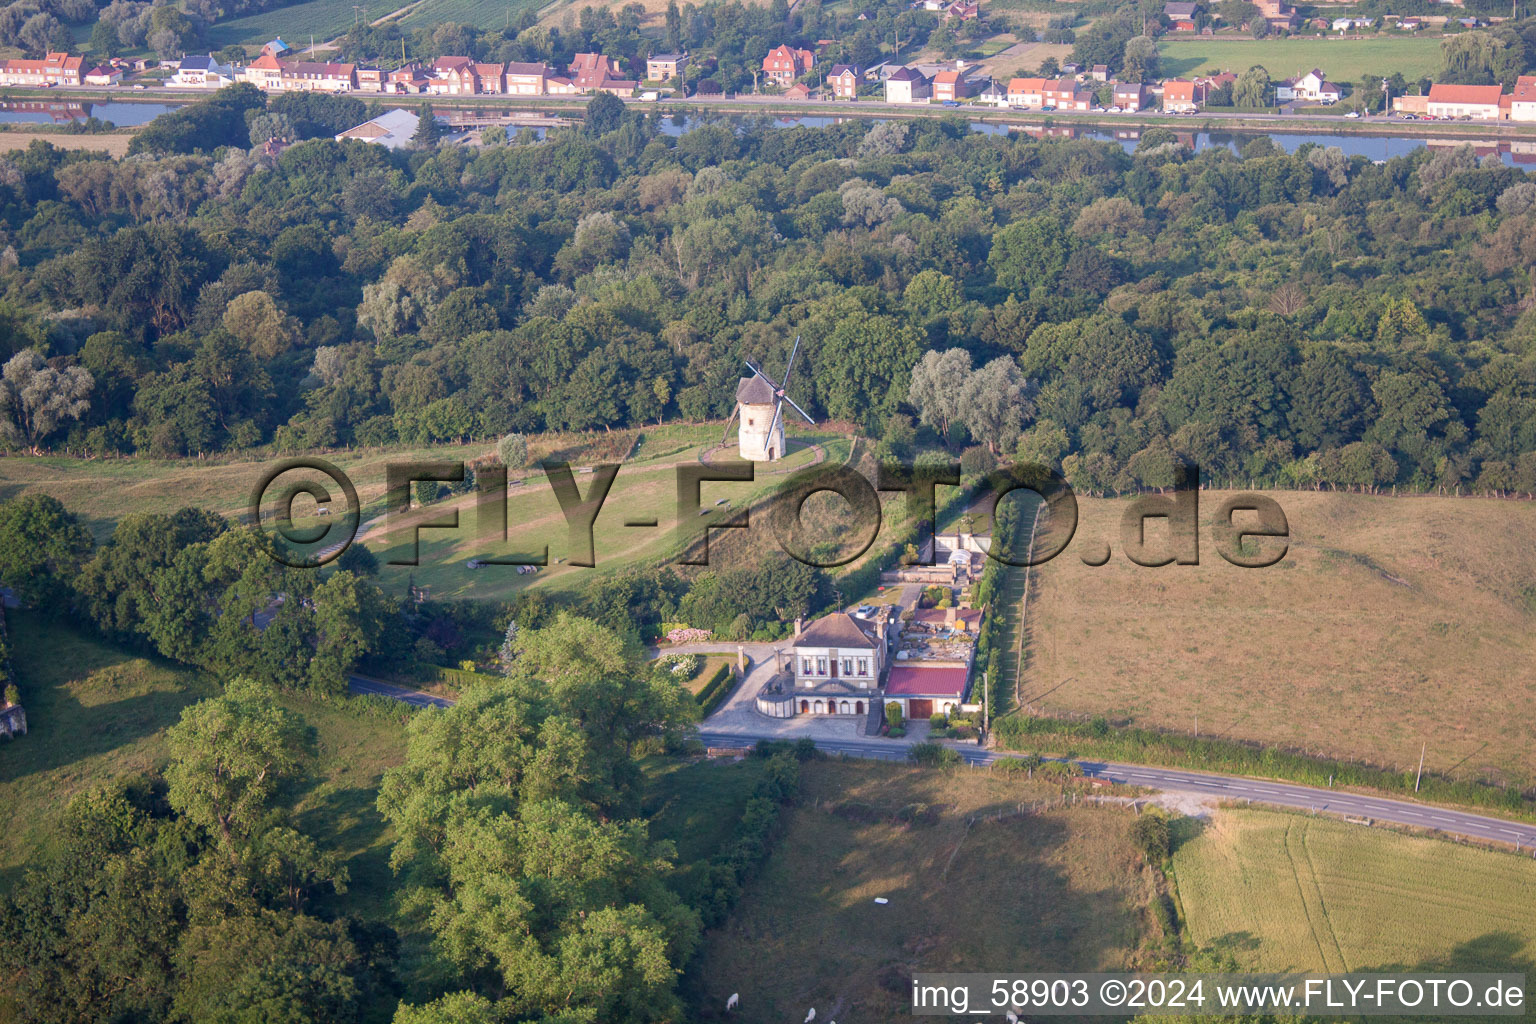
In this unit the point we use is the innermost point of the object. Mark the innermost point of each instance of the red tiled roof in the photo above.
(926, 681)
(1466, 94)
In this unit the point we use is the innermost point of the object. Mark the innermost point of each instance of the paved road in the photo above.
(1225, 787)
(746, 729)
(404, 694)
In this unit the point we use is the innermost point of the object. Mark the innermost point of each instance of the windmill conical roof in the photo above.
(754, 390)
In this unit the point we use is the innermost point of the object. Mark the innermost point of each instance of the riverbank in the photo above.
(1204, 121)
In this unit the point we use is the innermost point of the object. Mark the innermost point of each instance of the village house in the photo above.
(527, 78)
(963, 10)
(844, 81)
(798, 91)
(202, 72)
(1522, 104)
(661, 66)
(1310, 86)
(103, 74)
(838, 662)
(926, 690)
(1180, 15)
(55, 69)
(265, 72)
(453, 76)
(1130, 96)
(1026, 92)
(310, 76)
(1278, 14)
(907, 85)
(784, 64)
(1066, 94)
(276, 49)
(1180, 95)
(950, 86)
(589, 71)
(1475, 101)
(1099, 72)
(410, 79)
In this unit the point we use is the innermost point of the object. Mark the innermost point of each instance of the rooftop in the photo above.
(926, 681)
(838, 630)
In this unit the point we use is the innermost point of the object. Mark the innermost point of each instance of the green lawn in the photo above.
(1343, 60)
(96, 712)
(1284, 892)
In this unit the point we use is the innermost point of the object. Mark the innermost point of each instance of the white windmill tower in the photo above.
(760, 404)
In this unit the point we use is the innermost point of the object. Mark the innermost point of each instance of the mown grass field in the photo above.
(1343, 60)
(1289, 892)
(1391, 622)
(96, 712)
(1060, 888)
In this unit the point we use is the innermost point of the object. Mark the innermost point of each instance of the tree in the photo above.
(428, 131)
(938, 388)
(36, 399)
(1140, 63)
(605, 113)
(42, 547)
(1252, 88)
(996, 404)
(229, 756)
(513, 451)
(1150, 833)
(264, 329)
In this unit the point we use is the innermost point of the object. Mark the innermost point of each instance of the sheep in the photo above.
(810, 1016)
(733, 1002)
(1013, 1018)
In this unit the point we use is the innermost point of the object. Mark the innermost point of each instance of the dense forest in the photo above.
(1294, 319)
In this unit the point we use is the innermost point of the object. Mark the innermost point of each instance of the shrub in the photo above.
(893, 714)
(933, 755)
(1151, 835)
(938, 720)
(12, 694)
(896, 732)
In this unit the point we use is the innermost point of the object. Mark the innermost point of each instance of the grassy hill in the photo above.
(1287, 892)
(96, 712)
(326, 19)
(1391, 622)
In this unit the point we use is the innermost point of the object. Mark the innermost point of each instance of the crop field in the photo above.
(1289, 892)
(1390, 623)
(324, 19)
(1053, 887)
(1343, 60)
(96, 712)
(485, 14)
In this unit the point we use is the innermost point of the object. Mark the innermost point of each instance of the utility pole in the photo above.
(986, 702)
(1419, 776)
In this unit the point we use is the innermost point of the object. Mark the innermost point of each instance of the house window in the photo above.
(847, 666)
(821, 666)
(805, 666)
(863, 666)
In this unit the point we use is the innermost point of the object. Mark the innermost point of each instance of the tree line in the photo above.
(1304, 318)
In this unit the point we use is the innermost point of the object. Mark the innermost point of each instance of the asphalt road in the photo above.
(1225, 787)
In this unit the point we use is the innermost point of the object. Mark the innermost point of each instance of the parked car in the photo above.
(1353, 113)
(950, 103)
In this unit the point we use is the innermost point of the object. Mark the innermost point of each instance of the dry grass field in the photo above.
(1288, 892)
(1391, 622)
(115, 145)
(1057, 889)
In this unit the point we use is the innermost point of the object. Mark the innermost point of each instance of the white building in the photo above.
(202, 72)
(755, 401)
(837, 662)
(1475, 101)
(1522, 106)
(392, 129)
(1312, 86)
(907, 85)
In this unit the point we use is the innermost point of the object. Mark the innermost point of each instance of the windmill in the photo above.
(760, 404)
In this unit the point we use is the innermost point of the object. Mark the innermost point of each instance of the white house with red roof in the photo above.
(1475, 101)
(1312, 86)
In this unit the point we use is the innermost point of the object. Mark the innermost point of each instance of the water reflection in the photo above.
(52, 111)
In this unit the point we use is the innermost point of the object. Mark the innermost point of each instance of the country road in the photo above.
(1224, 787)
